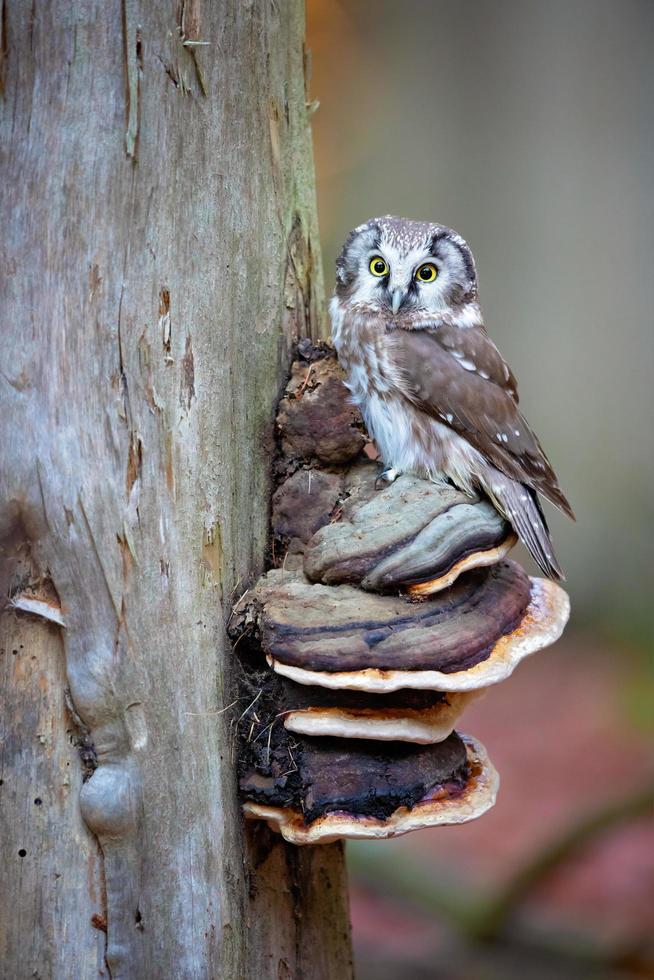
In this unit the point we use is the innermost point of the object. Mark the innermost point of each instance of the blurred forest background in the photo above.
(527, 125)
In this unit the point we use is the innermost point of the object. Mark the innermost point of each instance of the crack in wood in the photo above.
(4, 45)
(133, 52)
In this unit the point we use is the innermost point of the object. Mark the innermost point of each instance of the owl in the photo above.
(435, 393)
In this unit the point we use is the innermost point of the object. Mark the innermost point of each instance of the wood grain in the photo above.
(159, 258)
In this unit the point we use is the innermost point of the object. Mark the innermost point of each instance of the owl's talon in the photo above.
(386, 478)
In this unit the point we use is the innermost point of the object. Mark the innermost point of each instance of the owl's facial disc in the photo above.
(395, 265)
(385, 276)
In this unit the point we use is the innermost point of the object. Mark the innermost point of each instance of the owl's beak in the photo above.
(397, 299)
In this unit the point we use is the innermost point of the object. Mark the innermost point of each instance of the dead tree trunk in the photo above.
(159, 257)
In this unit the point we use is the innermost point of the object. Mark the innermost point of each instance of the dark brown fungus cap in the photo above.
(466, 638)
(316, 419)
(304, 502)
(414, 534)
(327, 775)
(332, 789)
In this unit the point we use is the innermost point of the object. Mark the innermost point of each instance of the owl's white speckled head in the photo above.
(396, 264)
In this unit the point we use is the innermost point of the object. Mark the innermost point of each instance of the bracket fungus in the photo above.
(436, 533)
(384, 614)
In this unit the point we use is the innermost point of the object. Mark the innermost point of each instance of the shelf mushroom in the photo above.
(436, 533)
(386, 613)
(465, 638)
(354, 790)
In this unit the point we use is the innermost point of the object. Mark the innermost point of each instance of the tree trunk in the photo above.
(160, 256)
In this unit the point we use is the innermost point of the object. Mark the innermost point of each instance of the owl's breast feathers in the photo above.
(457, 376)
(365, 351)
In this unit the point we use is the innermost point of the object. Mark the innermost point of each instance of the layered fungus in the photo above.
(385, 612)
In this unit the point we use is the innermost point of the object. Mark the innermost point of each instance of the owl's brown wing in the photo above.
(473, 346)
(458, 377)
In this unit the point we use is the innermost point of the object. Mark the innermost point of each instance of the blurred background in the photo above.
(527, 126)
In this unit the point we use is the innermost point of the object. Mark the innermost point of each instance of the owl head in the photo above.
(399, 265)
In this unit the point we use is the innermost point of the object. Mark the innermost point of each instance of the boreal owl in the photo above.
(435, 393)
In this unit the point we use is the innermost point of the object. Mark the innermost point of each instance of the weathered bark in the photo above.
(159, 257)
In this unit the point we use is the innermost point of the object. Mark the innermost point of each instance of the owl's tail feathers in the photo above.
(521, 507)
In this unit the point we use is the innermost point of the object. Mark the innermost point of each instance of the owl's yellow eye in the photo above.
(427, 272)
(378, 266)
